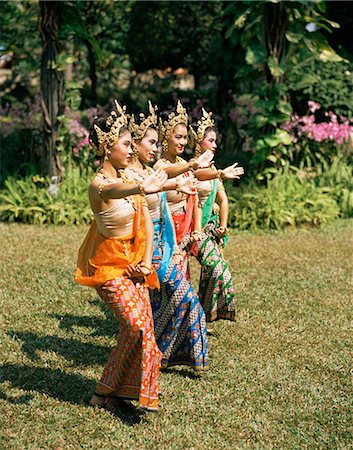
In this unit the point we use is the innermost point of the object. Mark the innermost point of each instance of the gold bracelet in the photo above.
(146, 266)
(191, 164)
(177, 185)
(141, 189)
(219, 175)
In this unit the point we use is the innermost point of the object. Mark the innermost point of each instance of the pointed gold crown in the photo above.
(196, 137)
(115, 121)
(139, 130)
(205, 122)
(166, 128)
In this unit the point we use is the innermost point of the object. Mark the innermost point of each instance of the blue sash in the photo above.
(164, 240)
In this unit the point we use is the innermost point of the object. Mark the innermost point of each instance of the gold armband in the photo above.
(141, 189)
(100, 190)
(219, 175)
(191, 164)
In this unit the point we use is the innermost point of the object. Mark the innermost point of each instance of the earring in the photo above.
(164, 146)
(107, 153)
(135, 152)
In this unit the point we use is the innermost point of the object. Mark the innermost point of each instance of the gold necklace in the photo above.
(179, 161)
(138, 172)
(104, 176)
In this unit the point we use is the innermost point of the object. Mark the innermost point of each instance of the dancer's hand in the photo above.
(196, 236)
(178, 257)
(140, 271)
(232, 172)
(221, 231)
(187, 185)
(155, 181)
(204, 160)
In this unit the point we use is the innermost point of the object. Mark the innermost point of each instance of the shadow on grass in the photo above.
(73, 388)
(182, 372)
(102, 327)
(108, 326)
(73, 350)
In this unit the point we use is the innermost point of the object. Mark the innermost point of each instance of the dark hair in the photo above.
(208, 130)
(151, 127)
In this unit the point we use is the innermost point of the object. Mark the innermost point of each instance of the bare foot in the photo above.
(105, 402)
(111, 403)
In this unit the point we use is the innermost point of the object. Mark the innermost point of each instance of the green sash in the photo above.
(207, 209)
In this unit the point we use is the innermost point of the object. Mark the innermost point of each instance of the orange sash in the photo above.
(101, 259)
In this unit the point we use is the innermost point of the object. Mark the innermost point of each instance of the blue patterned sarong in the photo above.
(179, 320)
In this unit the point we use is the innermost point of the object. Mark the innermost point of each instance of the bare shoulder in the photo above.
(94, 185)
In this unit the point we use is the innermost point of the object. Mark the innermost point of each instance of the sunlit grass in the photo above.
(280, 376)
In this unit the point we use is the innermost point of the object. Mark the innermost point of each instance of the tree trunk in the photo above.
(92, 71)
(226, 75)
(276, 24)
(51, 84)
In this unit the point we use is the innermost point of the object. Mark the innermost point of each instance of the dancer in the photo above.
(115, 258)
(216, 290)
(179, 320)
(184, 208)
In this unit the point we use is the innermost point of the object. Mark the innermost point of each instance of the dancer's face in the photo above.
(178, 140)
(121, 152)
(147, 147)
(210, 141)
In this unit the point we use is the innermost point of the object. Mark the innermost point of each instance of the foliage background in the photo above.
(277, 75)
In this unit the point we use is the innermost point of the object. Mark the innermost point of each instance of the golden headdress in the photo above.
(116, 120)
(196, 137)
(139, 130)
(174, 119)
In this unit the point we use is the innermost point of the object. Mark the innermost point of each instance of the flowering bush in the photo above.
(73, 140)
(336, 130)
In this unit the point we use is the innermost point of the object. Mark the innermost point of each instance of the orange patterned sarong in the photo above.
(132, 371)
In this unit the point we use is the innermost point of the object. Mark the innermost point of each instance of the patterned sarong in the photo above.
(216, 290)
(179, 320)
(132, 371)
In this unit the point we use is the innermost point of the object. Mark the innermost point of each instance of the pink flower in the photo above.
(313, 106)
(331, 130)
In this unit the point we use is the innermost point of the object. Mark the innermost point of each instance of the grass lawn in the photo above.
(280, 375)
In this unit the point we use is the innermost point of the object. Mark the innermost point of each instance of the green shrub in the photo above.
(28, 200)
(286, 201)
(336, 178)
(329, 83)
